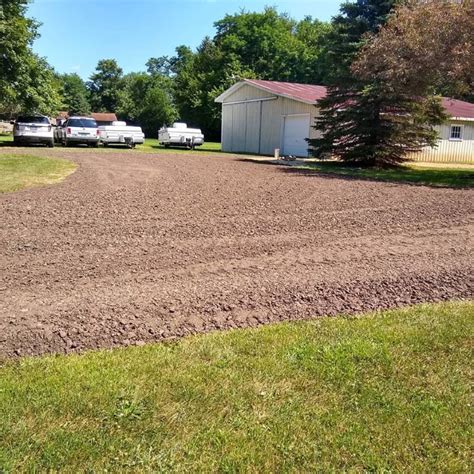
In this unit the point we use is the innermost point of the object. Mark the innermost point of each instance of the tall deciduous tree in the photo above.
(27, 82)
(161, 66)
(265, 45)
(75, 97)
(158, 109)
(104, 85)
(146, 99)
(424, 47)
(200, 78)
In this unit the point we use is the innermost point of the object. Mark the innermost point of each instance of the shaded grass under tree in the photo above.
(443, 175)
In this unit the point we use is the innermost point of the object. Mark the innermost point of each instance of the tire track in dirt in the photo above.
(135, 248)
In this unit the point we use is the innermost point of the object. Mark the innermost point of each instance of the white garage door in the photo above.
(295, 131)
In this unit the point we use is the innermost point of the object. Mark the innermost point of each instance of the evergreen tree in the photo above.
(363, 121)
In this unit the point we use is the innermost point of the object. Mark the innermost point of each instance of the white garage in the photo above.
(261, 116)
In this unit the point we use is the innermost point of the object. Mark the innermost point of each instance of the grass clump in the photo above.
(152, 145)
(26, 171)
(384, 392)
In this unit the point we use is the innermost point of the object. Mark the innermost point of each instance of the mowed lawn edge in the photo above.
(383, 391)
(19, 171)
(443, 175)
(455, 175)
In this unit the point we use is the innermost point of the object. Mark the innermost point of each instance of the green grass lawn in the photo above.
(151, 145)
(444, 175)
(6, 139)
(25, 171)
(383, 392)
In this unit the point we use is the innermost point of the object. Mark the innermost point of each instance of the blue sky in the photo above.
(77, 33)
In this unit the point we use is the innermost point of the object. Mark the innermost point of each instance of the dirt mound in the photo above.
(135, 248)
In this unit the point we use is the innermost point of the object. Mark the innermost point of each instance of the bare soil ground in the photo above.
(134, 248)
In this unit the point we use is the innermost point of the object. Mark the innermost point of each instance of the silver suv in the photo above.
(78, 130)
(32, 129)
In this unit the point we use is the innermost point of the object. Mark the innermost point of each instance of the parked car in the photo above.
(78, 130)
(180, 135)
(121, 133)
(33, 129)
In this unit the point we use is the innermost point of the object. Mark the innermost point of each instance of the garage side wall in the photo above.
(273, 121)
(251, 125)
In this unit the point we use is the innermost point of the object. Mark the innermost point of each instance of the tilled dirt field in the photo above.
(136, 247)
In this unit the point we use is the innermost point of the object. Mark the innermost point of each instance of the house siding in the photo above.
(450, 151)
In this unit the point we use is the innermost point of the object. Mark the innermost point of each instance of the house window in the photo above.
(456, 132)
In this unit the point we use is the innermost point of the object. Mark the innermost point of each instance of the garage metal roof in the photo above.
(310, 94)
(302, 92)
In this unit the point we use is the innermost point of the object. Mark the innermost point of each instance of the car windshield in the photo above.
(86, 123)
(32, 119)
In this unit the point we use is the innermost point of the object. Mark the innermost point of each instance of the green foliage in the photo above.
(418, 51)
(272, 45)
(104, 86)
(27, 82)
(161, 66)
(369, 125)
(39, 90)
(147, 100)
(75, 96)
(363, 121)
(265, 45)
(386, 392)
(157, 110)
(200, 78)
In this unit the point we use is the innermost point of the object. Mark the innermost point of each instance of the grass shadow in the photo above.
(460, 178)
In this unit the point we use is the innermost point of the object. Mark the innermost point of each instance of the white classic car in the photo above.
(180, 135)
(119, 133)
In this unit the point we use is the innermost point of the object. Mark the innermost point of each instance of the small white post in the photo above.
(277, 153)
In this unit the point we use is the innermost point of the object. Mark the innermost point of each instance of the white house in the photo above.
(260, 116)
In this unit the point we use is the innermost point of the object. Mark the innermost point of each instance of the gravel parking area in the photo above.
(135, 247)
